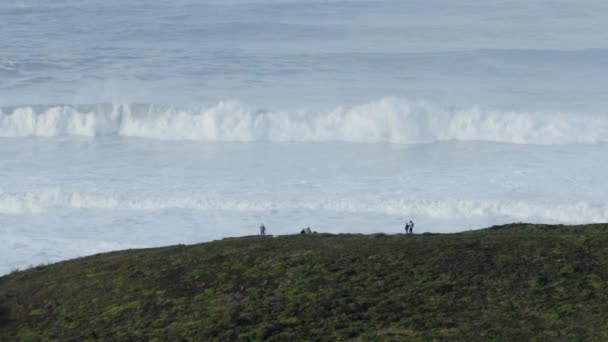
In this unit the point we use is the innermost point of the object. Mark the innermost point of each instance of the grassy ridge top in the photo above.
(510, 282)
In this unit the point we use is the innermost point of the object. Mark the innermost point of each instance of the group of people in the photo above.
(409, 227)
(303, 231)
(306, 231)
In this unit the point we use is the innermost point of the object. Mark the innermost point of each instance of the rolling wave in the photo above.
(43, 201)
(388, 120)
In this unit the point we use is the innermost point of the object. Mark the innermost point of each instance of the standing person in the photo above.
(407, 227)
(411, 227)
(262, 230)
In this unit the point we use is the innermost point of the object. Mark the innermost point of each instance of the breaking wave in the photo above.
(40, 202)
(388, 120)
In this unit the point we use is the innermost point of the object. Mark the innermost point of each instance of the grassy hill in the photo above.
(511, 282)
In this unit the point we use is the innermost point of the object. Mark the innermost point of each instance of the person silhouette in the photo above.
(411, 227)
(262, 230)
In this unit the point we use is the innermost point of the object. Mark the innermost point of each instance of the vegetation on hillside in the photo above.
(515, 282)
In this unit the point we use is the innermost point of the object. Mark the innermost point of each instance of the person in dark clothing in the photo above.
(262, 230)
(411, 227)
(407, 227)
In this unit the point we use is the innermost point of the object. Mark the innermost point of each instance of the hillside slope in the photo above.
(510, 282)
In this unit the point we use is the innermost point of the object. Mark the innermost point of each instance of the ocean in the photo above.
(127, 124)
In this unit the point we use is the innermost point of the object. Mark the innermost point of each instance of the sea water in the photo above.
(144, 123)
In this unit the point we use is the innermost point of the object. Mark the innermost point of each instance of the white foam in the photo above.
(387, 120)
(43, 201)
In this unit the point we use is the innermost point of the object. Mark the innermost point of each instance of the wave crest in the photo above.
(43, 201)
(388, 120)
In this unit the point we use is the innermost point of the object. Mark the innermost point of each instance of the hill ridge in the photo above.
(517, 281)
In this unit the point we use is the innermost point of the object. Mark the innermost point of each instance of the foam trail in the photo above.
(388, 120)
(43, 201)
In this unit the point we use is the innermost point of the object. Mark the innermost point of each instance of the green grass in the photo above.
(517, 282)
